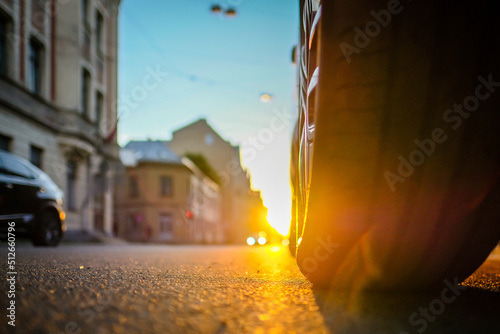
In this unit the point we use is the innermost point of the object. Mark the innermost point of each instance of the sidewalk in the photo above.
(81, 236)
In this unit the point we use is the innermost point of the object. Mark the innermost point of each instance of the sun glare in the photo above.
(269, 166)
(279, 212)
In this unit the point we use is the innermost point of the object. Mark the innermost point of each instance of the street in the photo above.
(221, 289)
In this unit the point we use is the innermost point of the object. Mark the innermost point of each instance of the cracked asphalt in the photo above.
(220, 289)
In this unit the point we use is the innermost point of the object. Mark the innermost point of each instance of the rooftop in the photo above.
(150, 151)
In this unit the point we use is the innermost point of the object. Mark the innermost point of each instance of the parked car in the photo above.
(30, 199)
(396, 155)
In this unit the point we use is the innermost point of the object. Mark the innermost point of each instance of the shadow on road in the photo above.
(471, 310)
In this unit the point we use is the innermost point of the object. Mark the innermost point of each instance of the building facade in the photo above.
(58, 93)
(241, 206)
(166, 198)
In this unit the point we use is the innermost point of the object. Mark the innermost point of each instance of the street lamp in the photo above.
(266, 97)
(230, 12)
(217, 9)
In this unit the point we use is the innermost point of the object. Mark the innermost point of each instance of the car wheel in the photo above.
(295, 228)
(394, 191)
(48, 230)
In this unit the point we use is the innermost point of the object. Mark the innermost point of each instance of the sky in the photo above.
(179, 62)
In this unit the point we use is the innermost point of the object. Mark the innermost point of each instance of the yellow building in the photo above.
(240, 203)
(166, 198)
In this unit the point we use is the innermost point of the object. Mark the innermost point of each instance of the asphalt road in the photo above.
(219, 289)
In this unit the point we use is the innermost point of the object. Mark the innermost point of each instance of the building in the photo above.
(58, 87)
(241, 206)
(166, 198)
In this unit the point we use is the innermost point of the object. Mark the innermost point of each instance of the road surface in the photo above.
(221, 289)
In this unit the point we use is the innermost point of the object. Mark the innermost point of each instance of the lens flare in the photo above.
(275, 249)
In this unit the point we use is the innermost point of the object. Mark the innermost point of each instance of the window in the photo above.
(98, 187)
(3, 44)
(166, 186)
(85, 10)
(36, 156)
(71, 167)
(38, 15)
(85, 92)
(35, 67)
(5, 143)
(133, 187)
(209, 139)
(99, 22)
(98, 110)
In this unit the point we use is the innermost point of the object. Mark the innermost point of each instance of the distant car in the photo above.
(30, 199)
(257, 239)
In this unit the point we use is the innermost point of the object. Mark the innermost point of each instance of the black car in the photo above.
(396, 154)
(30, 200)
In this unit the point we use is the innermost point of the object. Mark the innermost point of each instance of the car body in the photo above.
(30, 200)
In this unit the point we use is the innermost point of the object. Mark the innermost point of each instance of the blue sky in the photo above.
(215, 67)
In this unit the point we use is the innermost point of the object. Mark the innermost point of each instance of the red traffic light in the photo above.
(189, 214)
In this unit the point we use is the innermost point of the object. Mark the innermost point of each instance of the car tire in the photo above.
(375, 216)
(296, 216)
(47, 232)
